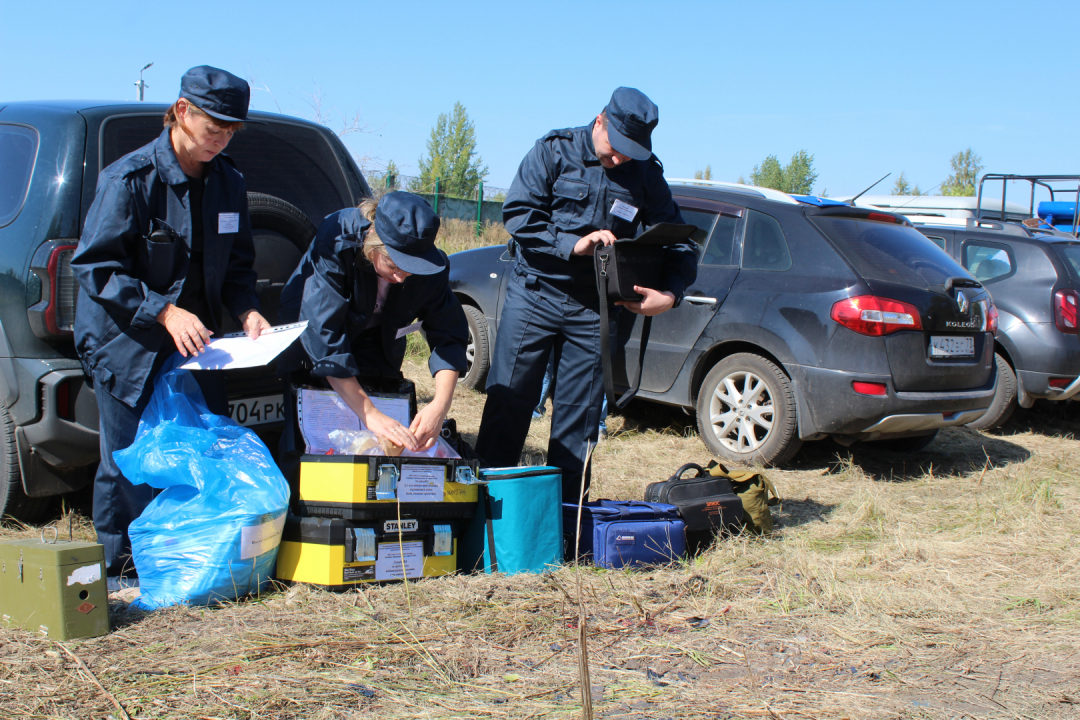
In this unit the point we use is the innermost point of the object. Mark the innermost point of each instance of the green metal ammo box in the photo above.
(57, 588)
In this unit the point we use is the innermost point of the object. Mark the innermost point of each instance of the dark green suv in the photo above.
(50, 157)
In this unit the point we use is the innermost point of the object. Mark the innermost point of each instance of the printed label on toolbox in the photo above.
(398, 560)
(421, 483)
(256, 540)
(86, 575)
(391, 526)
(357, 574)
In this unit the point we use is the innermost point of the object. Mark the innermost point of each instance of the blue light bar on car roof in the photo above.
(819, 201)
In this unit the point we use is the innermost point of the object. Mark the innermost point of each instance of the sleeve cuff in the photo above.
(448, 359)
(564, 244)
(148, 311)
(337, 366)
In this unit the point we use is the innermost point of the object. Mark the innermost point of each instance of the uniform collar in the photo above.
(168, 166)
(590, 150)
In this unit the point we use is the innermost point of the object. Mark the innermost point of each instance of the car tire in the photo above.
(282, 233)
(13, 501)
(477, 352)
(768, 433)
(1004, 403)
(914, 443)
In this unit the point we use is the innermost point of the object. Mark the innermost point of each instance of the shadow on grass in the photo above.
(954, 452)
(792, 513)
(642, 416)
(1052, 419)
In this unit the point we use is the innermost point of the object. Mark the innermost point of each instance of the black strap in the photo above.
(605, 342)
(490, 528)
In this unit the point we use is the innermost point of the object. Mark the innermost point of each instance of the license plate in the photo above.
(945, 346)
(257, 411)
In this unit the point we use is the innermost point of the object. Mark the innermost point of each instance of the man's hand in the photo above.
(654, 302)
(587, 245)
(254, 324)
(187, 331)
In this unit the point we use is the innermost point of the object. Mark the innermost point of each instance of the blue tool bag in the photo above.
(212, 533)
(518, 524)
(623, 533)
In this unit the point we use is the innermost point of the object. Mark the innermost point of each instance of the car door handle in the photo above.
(700, 300)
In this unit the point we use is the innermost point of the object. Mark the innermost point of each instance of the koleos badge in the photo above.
(962, 301)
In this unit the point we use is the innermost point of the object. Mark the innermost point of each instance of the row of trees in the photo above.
(966, 165)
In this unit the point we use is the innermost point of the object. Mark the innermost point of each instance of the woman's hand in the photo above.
(187, 331)
(254, 324)
(391, 429)
(427, 423)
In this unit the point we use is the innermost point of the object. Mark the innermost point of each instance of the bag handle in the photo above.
(600, 261)
(489, 520)
(684, 468)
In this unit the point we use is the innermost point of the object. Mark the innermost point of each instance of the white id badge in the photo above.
(625, 211)
(402, 332)
(228, 223)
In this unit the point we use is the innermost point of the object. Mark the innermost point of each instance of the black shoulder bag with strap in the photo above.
(621, 266)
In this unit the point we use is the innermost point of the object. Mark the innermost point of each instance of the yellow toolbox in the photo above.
(54, 587)
(369, 487)
(337, 554)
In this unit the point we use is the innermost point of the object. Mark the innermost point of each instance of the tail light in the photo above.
(874, 316)
(1061, 383)
(991, 318)
(1065, 311)
(54, 315)
(869, 388)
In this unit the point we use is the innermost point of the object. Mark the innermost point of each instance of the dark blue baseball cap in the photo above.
(407, 226)
(216, 92)
(631, 119)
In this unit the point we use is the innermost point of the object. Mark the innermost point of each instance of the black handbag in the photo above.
(707, 503)
(619, 267)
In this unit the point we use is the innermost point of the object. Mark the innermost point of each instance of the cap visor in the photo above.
(222, 116)
(427, 264)
(625, 146)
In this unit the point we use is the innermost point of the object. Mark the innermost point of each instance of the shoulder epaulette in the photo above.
(566, 134)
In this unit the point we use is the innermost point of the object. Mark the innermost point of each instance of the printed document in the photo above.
(235, 350)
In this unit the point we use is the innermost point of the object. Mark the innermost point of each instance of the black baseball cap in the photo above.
(631, 119)
(218, 93)
(407, 226)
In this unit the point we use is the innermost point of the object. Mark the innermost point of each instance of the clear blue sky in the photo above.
(866, 87)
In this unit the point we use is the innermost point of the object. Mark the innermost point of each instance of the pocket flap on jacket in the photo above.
(571, 189)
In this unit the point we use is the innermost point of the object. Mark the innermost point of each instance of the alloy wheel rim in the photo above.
(741, 412)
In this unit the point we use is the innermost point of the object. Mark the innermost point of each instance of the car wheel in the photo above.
(1004, 403)
(282, 232)
(746, 411)
(13, 501)
(914, 443)
(476, 353)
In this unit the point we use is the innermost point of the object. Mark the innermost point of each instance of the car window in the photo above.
(704, 221)
(939, 241)
(18, 149)
(986, 261)
(765, 247)
(889, 252)
(1071, 254)
(291, 162)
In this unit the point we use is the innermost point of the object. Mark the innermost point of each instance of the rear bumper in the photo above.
(836, 409)
(54, 452)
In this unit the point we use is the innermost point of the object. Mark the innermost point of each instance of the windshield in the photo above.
(890, 253)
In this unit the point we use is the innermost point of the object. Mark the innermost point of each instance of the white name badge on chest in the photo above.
(228, 223)
(623, 210)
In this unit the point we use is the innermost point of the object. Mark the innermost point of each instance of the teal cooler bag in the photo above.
(518, 523)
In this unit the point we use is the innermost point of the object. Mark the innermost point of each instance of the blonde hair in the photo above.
(172, 119)
(372, 242)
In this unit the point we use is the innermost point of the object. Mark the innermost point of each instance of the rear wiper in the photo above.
(961, 282)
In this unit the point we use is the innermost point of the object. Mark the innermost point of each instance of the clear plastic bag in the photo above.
(212, 534)
(355, 442)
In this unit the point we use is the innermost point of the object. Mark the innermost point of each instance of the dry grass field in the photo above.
(943, 584)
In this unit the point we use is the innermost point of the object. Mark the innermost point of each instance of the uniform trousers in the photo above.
(117, 502)
(540, 319)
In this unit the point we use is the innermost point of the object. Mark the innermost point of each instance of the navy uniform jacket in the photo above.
(126, 280)
(562, 193)
(334, 289)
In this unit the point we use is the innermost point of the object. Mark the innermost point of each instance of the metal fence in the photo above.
(484, 203)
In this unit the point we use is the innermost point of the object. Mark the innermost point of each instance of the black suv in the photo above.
(50, 157)
(809, 318)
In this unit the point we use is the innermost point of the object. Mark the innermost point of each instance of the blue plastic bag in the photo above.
(212, 534)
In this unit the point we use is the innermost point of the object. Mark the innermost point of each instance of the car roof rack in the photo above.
(1036, 181)
(767, 193)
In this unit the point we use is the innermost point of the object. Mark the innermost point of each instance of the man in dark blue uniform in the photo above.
(167, 241)
(575, 190)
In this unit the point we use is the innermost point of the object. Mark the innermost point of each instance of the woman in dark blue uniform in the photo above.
(370, 273)
(167, 241)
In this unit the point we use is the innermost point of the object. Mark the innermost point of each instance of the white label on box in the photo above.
(86, 575)
(228, 223)
(421, 483)
(256, 540)
(397, 561)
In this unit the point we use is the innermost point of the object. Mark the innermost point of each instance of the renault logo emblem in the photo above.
(962, 301)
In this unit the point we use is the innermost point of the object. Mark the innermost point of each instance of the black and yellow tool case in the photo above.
(369, 487)
(337, 554)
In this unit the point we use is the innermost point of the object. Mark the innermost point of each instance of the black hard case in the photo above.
(706, 503)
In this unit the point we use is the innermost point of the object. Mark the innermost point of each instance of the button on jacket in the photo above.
(126, 279)
(334, 289)
(562, 193)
